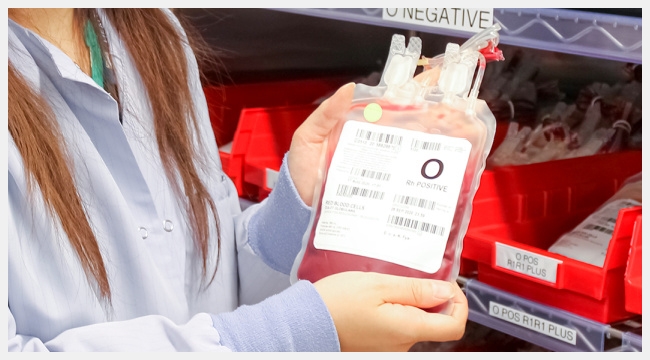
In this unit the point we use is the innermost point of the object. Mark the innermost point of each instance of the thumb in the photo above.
(320, 122)
(421, 293)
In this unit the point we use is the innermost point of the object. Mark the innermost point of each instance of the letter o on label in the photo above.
(495, 309)
(388, 11)
(425, 166)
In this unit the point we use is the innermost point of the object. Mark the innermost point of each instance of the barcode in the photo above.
(416, 225)
(432, 229)
(349, 191)
(403, 222)
(413, 201)
(371, 174)
(425, 145)
(599, 228)
(379, 137)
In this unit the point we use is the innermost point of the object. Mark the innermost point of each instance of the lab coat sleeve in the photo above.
(269, 238)
(143, 334)
(294, 320)
(262, 327)
(278, 227)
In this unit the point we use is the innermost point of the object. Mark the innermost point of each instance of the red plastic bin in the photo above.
(227, 106)
(233, 160)
(270, 139)
(633, 272)
(226, 102)
(524, 209)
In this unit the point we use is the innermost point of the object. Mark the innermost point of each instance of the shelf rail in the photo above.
(589, 335)
(603, 36)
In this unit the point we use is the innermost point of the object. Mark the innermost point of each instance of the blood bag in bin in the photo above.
(399, 172)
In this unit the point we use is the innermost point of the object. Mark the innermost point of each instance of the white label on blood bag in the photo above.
(526, 262)
(472, 20)
(271, 178)
(588, 242)
(391, 194)
(534, 323)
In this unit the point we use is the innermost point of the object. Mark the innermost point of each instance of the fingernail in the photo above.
(348, 85)
(442, 290)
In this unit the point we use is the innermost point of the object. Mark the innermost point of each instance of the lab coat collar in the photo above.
(63, 64)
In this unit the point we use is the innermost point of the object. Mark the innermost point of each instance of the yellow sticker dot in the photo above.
(372, 112)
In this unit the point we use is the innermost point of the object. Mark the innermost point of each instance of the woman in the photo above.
(126, 235)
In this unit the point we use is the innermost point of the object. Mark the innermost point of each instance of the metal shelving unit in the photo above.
(605, 36)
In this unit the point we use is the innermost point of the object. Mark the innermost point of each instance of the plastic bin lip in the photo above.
(482, 235)
(633, 272)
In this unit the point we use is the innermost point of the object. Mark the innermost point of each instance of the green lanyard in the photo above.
(96, 61)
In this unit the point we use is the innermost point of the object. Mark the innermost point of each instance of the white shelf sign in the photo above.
(472, 20)
(534, 323)
(526, 262)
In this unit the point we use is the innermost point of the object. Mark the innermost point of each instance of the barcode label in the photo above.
(371, 174)
(416, 225)
(599, 228)
(379, 137)
(425, 145)
(349, 191)
(413, 201)
(378, 203)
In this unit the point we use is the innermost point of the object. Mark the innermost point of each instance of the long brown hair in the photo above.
(145, 33)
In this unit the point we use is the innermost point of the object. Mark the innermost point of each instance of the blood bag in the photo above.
(400, 171)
